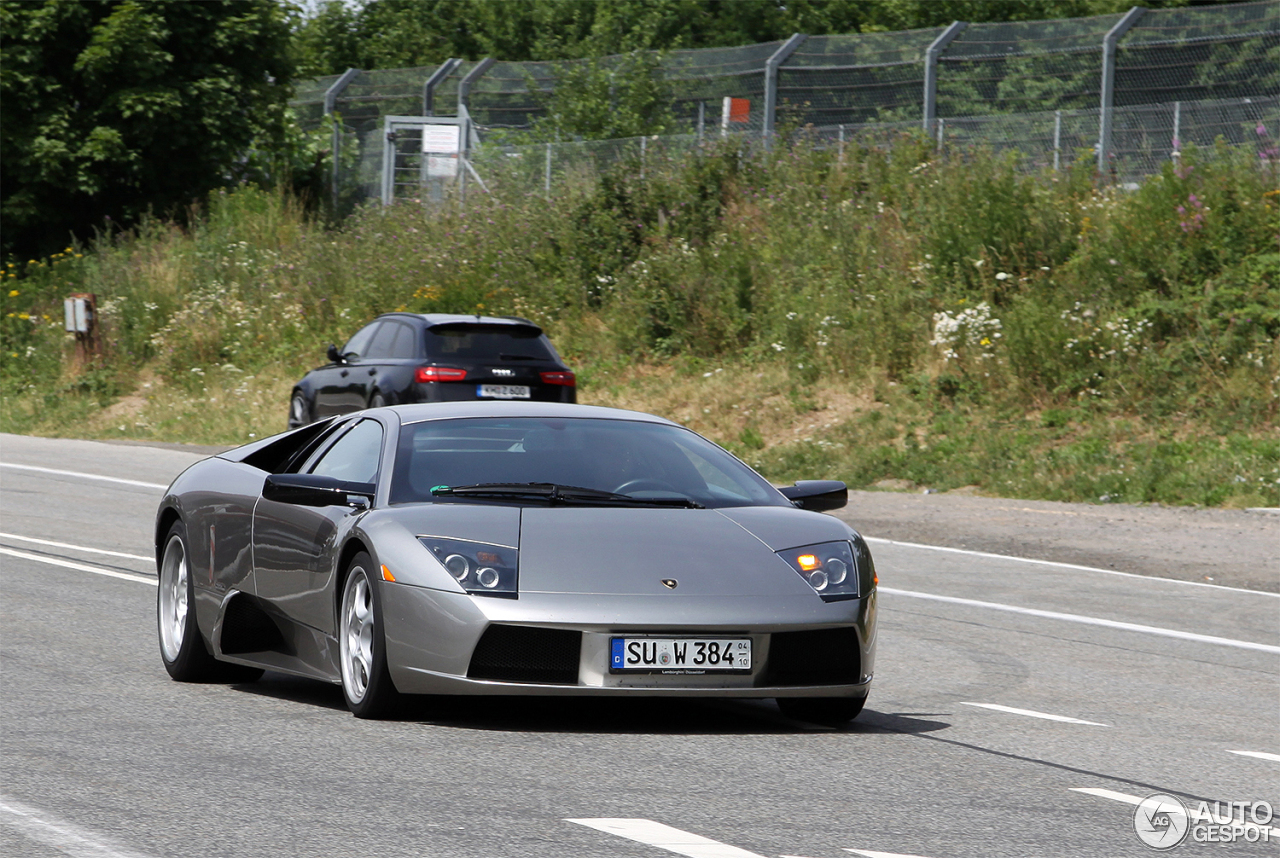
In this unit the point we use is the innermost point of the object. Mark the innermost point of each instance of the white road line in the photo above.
(867, 853)
(1075, 566)
(1088, 621)
(665, 837)
(68, 564)
(84, 476)
(66, 838)
(1193, 807)
(53, 544)
(1031, 713)
(1261, 755)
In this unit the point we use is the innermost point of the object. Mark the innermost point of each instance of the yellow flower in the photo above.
(986, 342)
(68, 250)
(14, 293)
(78, 255)
(24, 317)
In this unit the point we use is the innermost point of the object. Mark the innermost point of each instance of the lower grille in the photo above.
(524, 654)
(822, 657)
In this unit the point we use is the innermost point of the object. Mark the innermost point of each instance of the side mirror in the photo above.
(316, 490)
(335, 356)
(817, 495)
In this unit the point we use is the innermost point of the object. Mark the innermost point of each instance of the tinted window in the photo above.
(354, 457)
(384, 340)
(487, 342)
(405, 345)
(359, 344)
(642, 459)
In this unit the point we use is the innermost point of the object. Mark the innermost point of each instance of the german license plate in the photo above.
(502, 391)
(679, 656)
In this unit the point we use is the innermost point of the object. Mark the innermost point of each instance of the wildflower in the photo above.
(1002, 276)
(14, 293)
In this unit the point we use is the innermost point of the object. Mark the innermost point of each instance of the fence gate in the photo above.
(423, 157)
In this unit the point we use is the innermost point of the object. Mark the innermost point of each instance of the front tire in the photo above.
(366, 682)
(829, 711)
(182, 647)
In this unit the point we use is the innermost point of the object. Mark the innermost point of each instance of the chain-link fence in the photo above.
(1127, 89)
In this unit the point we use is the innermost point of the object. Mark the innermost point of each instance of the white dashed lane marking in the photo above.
(71, 547)
(35, 824)
(79, 567)
(1088, 621)
(83, 476)
(1031, 713)
(656, 834)
(1261, 755)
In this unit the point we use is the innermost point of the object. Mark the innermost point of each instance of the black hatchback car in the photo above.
(407, 357)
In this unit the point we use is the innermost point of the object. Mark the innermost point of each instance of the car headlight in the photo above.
(481, 568)
(828, 567)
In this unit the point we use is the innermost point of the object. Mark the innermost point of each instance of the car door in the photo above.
(333, 383)
(295, 547)
(363, 371)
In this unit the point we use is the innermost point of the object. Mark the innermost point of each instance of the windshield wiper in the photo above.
(556, 493)
(517, 357)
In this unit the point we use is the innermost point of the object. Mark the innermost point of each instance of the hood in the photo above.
(628, 551)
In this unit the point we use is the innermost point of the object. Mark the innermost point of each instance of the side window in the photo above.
(360, 342)
(384, 340)
(405, 345)
(355, 456)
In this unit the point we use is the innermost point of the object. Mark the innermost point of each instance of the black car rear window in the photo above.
(487, 342)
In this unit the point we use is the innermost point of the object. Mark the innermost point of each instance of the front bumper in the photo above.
(432, 639)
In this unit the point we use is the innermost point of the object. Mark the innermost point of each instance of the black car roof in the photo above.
(432, 320)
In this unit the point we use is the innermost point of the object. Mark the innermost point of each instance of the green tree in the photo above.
(116, 107)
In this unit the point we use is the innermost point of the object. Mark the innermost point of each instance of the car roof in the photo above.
(425, 411)
(434, 319)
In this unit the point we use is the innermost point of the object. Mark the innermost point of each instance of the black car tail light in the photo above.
(439, 373)
(566, 379)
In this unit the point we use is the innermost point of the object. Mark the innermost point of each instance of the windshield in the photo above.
(642, 460)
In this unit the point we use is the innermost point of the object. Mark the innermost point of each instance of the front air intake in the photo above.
(822, 657)
(525, 654)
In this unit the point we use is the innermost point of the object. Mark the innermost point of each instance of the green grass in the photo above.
(946, 321)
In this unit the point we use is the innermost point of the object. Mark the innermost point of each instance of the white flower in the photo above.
(1002, 276)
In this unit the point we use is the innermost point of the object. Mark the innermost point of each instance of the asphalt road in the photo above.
(1163, 683)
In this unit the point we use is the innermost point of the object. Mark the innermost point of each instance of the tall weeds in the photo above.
(984, 324)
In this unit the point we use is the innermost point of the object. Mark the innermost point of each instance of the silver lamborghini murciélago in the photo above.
(511, 548)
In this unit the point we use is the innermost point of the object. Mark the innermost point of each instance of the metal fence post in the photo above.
(437, 77)
(1057, 139)
(330, 104)
(841, 149)
(771, 81)
(1177, 132)
(702, 120)
(1109, 81)
(942, 128)
(464, 88)
(931, 71)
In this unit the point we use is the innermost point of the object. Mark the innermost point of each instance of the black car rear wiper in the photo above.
(556, 493)
(517, 357)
